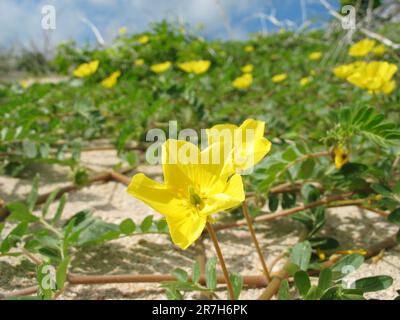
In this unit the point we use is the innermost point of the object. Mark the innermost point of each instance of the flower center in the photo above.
(195, 199)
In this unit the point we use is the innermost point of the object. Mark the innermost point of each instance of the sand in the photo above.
(155, 254)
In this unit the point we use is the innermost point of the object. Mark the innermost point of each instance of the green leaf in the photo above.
(310, 193)
(196, 274)
(324, 243)
(173, 294)
(394, 216)
(302, 282)
(146, 224)
(48, 202)
(61, 274)
(211, 273)
(325, 280)
(288, 200)
(283, 293)
(273, 202)
(20, 212)
(382, 190)
(347, 265)
(301, 255)
(180, 274)
(237, 284)
(127, 226)
(14, 237)
(60, 209)
(372, 284)
(33, 195)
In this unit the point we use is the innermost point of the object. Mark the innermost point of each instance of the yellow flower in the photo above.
(122, 30)
(360, 251)
(24, 83)
(243, 82)
(341, 157)
(304, 81)
(315, 55)
(279, 77)
(161, 67)
(111, 81)
(375, 76)
(138, 62)
(143, 39)
(246, 142)
(194, 188)
(362, 48)
(248, 68)
(195, 66)
(249, 48)
(379, 50)
(346, 70)
(86, 69)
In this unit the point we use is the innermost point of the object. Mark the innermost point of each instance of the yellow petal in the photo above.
(185, 231)
(156, 195)
(229, 196)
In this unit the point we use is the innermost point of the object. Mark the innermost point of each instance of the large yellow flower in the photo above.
(362, 48)
(247, 142)
(111, 80)
(279, 77)
(195, 66)
(161, 67)
(376, 77)
(86, 69)
(195, 187)
(243, 82)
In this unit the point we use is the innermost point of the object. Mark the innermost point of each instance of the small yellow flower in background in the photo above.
(379, 50)
(24, 83)
(246, 142)
(86, 69)
(195, 66)
(194, 189)
(375, 76)
(360, 251)
(341, 157)
(243, 82)
(321, 254)
(138, 62)
(315, 55)
(362, 48)
(304, 81)
(248, 68)
(122, 30)
(279, 77)
(143, 39)
(249, 48)
(161, 67)
(111, 81)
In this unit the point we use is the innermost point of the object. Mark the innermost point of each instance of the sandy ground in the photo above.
(150, 254)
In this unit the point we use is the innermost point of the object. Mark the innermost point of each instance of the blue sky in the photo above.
(20, 20)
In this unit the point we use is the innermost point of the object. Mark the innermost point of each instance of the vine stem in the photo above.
(214, 239)
(255, 241)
